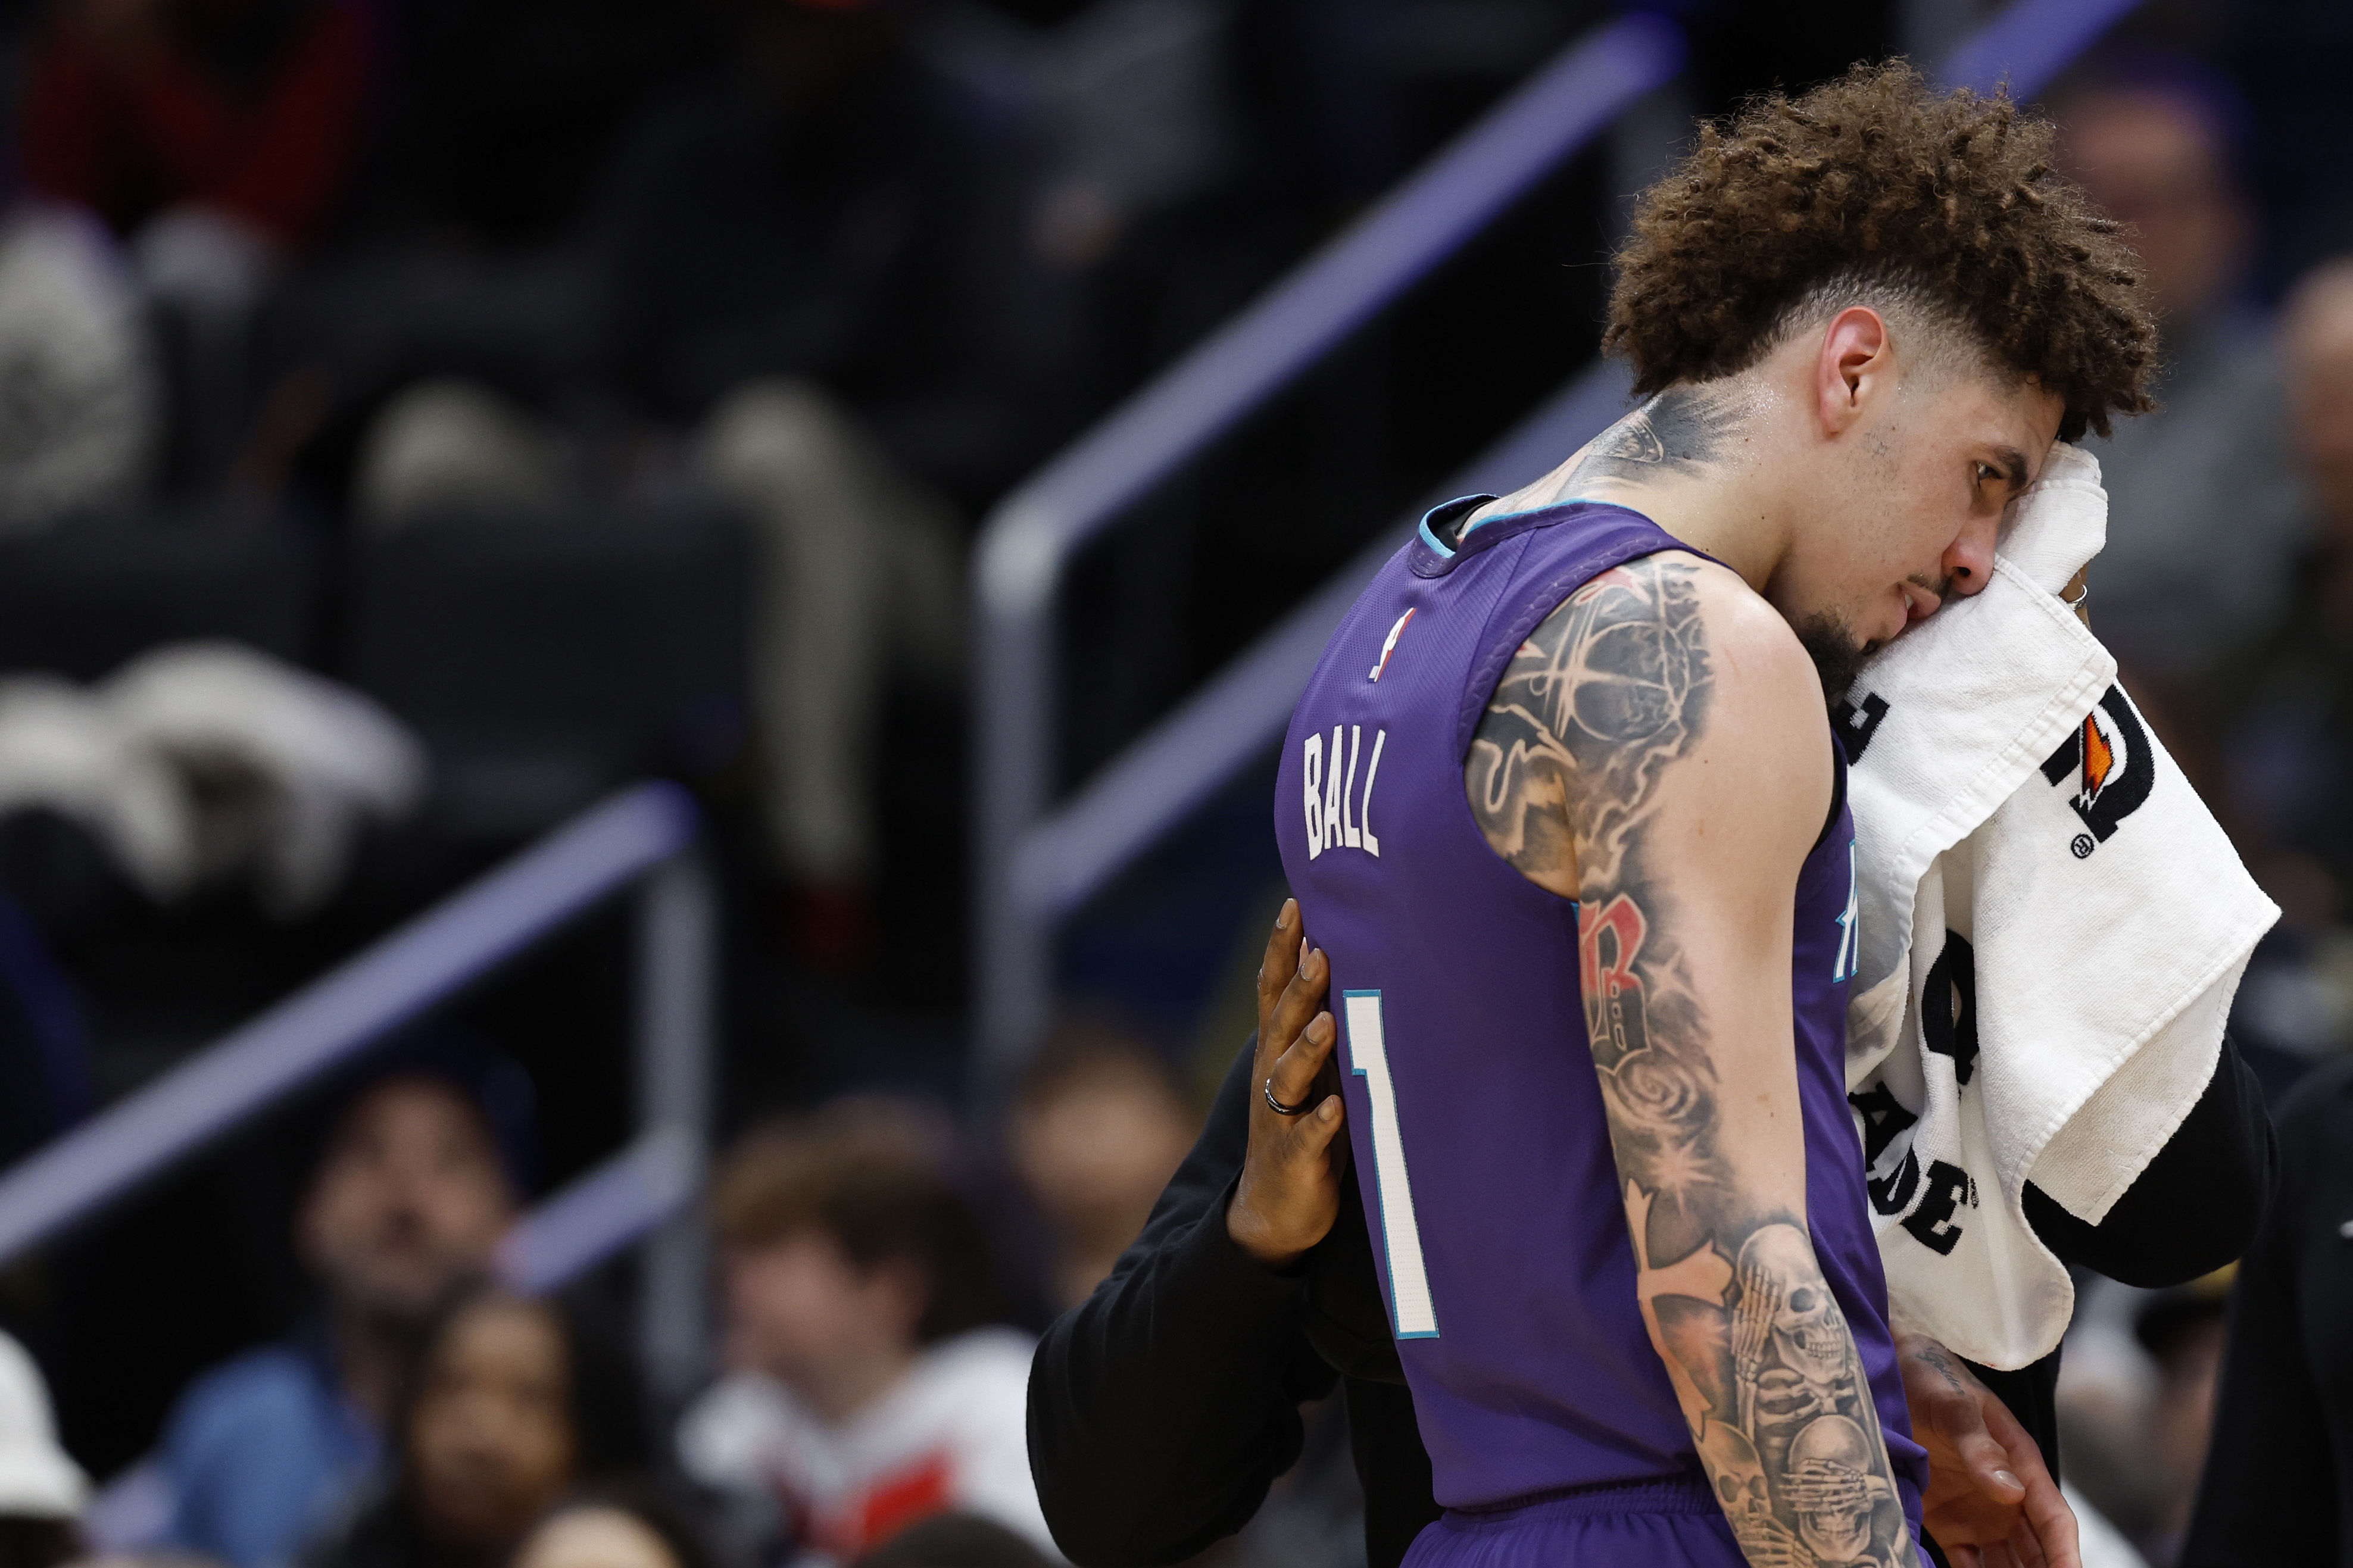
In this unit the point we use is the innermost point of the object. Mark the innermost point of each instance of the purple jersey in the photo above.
(1473, 1106)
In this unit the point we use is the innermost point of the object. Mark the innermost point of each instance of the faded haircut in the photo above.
(1873, 189)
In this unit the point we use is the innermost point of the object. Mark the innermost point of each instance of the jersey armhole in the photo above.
(1838, 793)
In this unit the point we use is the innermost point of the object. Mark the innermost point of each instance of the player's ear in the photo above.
(1857, 360)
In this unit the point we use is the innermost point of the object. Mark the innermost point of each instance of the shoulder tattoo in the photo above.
(1608, 690)
(1598, 703)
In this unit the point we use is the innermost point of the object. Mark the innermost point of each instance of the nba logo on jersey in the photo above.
(1850, 923)
(1389, 646)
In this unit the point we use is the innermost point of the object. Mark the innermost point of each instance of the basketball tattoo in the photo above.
(1598, 704)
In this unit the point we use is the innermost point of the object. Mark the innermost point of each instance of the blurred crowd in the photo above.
(421, 418)
(842, 271)
(868, 1404)
(2223, 593)
(742, 309)
(747, 310)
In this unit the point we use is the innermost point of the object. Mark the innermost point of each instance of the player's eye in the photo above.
(1988, 471)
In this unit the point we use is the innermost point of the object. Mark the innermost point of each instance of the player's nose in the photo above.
(1967, 562)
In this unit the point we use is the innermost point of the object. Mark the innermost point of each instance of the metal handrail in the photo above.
(1074, 852)
(600, 1212)
(645, 836)
(2029, 45)
(1027, 546)
(1038, 864)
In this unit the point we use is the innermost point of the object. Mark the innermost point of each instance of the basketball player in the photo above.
(1562, 805)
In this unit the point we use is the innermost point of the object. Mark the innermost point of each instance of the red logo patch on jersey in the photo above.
(1389, 646)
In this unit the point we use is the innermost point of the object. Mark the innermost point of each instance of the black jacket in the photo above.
(1163, 1407)
(2279, 1474)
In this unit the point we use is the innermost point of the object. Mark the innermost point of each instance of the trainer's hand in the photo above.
(1992, 1502)
(1290, 1191)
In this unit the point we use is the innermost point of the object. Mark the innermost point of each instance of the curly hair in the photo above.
(1873, 184)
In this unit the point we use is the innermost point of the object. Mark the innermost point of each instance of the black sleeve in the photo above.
(1163, 1407)
(2196, 1206)
(1392, 1465)
(2268, 1496)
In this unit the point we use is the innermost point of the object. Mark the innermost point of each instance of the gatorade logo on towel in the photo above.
(2111, 761)
(1856, 725)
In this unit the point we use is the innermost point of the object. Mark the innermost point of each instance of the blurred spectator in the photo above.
(42, 1490)
(626, 1526)
(2281, 713)
(2181, 1328)
(501, 116)
(1097, 1131)
(820, 265)
(2320, 362)
(866, 1395)
(464, 254)
(79, 411)
(2283, 710)
(1143, 113)
(956, 1540)
(2107, 1401)
(214, 134)
(2159, 142)
(409, 1199)
(834, 209)
(509, 1406)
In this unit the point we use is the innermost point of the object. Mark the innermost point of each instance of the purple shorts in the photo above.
(1669, 1523)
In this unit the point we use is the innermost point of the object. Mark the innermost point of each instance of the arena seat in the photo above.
(80, 598)
(547, 660)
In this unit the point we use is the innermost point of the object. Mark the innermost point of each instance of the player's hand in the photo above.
(1992, 1502)
(1290, 1191)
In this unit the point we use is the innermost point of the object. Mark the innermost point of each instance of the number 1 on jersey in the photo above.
(1410, 1308)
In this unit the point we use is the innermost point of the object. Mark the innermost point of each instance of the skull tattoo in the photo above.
(1789, 1340)
(1835, 1488)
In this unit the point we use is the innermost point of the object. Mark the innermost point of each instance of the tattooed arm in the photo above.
(1656, 750)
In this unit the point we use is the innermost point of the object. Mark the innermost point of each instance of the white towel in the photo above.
(2052, 926)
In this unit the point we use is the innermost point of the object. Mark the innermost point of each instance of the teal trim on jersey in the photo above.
(1433, 541)
(1380, 1188)
(1477, 523)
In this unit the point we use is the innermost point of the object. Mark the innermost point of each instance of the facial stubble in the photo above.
(1838, 657)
